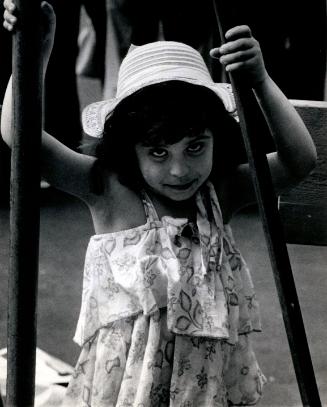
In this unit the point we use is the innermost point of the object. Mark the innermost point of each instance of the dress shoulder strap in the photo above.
(210, 197)
(149, 209)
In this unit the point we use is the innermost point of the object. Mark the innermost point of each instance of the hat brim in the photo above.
(95, 115)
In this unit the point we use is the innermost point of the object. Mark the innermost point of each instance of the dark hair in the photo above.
(165, 112)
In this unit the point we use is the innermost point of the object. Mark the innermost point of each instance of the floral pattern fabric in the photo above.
(166, 313)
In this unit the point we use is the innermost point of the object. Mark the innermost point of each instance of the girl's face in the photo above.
(176, 171)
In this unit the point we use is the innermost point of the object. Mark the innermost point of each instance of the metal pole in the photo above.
(249, 114)
(24, 216)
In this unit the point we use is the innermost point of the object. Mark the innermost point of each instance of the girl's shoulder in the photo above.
(117, 208)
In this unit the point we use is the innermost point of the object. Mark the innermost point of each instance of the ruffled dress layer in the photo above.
(167, 308)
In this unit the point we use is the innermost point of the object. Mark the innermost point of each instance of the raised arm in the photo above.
(296, 152)
(60, 166)
(295, 155)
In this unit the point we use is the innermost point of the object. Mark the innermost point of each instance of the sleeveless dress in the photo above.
(167, 308)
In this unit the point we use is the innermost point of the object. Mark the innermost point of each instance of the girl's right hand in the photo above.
(48, 25)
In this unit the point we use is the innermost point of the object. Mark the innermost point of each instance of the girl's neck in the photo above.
(176, 209)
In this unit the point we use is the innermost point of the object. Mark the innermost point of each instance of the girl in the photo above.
(168, 303)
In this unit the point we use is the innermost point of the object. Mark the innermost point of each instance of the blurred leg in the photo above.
(91, 57)
(128, 22)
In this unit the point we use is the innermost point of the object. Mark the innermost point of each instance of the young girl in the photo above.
(168, 303)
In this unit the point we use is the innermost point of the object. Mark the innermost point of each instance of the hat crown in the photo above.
(162, 59)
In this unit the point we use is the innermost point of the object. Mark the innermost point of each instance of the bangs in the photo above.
(167, 112)
(171, 127)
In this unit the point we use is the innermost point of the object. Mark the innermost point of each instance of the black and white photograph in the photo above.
(163, 203)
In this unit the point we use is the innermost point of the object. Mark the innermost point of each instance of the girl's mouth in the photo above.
(180, 187)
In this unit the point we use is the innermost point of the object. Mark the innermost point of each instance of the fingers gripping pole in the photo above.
(249, 114)
(24, 215)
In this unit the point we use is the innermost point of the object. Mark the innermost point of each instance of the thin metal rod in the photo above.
(24, 214)
(249, 114)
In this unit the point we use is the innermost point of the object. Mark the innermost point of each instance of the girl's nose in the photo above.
(178, 168)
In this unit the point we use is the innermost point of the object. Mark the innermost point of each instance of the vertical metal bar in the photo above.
(24, 216)
(249, 114)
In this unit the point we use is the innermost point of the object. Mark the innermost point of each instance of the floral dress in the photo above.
(167, 308)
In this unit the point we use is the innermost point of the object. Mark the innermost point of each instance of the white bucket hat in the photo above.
(153, 63)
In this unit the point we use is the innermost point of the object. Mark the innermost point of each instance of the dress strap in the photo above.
(149, 209)
(216, 210)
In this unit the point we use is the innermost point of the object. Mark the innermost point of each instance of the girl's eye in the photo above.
(195, 148)
(158, 153)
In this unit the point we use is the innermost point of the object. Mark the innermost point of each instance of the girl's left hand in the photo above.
(242, 53)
